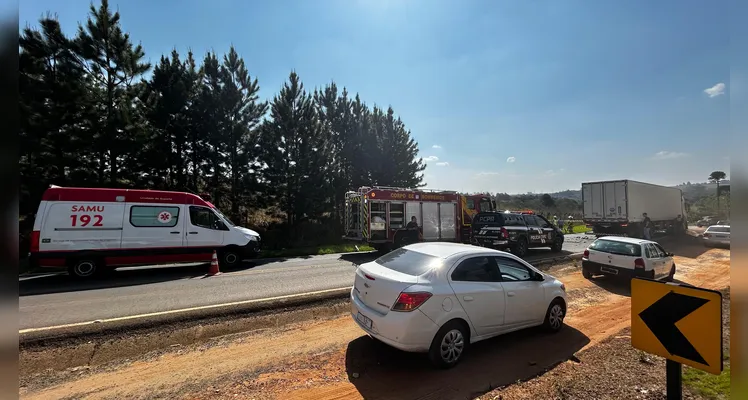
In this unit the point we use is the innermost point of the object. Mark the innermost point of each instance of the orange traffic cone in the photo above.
(214, 265)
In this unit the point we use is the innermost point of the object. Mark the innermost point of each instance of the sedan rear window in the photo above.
(718, 229)
(613, 247)
(408, 262)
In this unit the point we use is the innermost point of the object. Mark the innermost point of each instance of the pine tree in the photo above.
(113, 63)
(53, 101)
(165, 104)
(243, 112)
(297, 154)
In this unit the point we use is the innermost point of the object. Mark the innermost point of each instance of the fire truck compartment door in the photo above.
(447, 220)
(430, 221)
(413, 209)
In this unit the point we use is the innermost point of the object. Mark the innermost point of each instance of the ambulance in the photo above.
(90, 230)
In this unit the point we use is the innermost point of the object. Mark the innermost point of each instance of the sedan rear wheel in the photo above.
(448, 345)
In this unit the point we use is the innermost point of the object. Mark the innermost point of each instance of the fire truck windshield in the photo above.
(485, 204)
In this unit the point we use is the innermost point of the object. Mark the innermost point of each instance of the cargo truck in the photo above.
(617, 207)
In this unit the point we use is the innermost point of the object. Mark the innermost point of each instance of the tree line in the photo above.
(95, 113)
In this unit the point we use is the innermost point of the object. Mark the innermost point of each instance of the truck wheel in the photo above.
(520, 249)
(84, 268)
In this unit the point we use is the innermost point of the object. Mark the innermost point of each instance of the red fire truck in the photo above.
(379, 216)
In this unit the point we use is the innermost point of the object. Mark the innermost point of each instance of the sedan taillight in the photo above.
(639, 263)
(410, 301)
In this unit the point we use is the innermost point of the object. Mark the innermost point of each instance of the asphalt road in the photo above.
(57, 300)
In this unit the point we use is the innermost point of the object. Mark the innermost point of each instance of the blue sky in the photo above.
(570, 91)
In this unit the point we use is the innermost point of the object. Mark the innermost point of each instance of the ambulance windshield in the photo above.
(225, 218)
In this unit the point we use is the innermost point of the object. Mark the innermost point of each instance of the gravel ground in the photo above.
(599, 371)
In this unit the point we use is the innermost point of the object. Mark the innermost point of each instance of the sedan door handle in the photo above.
(193, 233)
(175, 233)
(468, 298)
(510, 294)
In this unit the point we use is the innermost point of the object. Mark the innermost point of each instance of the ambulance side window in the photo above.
(205, 218)
(154, 216)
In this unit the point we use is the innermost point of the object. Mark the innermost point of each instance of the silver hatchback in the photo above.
(717, 235)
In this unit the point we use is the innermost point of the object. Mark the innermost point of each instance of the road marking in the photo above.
(161, 313)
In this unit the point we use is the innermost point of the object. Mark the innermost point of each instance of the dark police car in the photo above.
(517, 231)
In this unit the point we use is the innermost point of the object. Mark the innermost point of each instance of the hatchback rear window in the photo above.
(408, 262)
(613, 247)
(719, 229)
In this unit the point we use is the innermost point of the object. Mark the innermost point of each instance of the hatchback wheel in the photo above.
(671, 275)
(554, 317)
(448, 345)
(586, 274)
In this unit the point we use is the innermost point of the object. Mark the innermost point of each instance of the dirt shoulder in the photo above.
(331, 358)
(598, 373)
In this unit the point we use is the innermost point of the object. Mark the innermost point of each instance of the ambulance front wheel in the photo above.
(229, 258)
(84, 268)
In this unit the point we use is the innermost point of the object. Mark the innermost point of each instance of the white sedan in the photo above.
(717, 235)
(440, 297)
(627, 257)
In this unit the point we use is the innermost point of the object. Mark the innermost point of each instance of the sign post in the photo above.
(681, 323)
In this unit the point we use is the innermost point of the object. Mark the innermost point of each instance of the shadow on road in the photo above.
(63, 283)
(684, 246)
(387, 373)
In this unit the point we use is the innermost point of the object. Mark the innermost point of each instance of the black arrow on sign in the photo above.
(661, 318)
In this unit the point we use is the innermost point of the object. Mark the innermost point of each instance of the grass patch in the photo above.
(581, 229)
(314, 251)
(710, 386)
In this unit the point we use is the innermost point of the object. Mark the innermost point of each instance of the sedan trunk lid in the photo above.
(379, 287)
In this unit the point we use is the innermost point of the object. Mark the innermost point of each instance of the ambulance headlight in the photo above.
(252, 238)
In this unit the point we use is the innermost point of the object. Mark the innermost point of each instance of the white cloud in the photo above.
(430, 159)
(668, 155)
(715, 90)
(442, 164)
(511, 159)
(436, 146)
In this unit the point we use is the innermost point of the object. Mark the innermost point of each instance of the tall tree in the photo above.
(242, 113)
(114, 63)
(717, 177)
(400, 165)
(297, 155)
(53, 106)
(165, 104)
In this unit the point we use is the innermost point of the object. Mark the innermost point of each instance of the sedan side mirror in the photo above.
(669, 254)
(538, 277)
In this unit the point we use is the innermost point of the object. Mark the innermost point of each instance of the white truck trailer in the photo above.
(617, 207)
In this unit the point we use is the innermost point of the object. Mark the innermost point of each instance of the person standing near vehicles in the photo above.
(560, 224)
(679, 227)
(647, 227)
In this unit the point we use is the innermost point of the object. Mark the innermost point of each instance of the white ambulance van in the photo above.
(88, 230)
